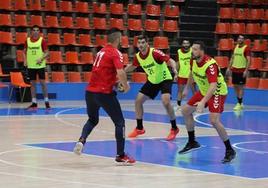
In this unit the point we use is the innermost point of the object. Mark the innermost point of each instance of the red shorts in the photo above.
(182, 81)
(215, 103)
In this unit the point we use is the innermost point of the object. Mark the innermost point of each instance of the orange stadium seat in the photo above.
(52, 22)
(240, 2)
(69, 39)
(99, 8)
(153, 10)
(134, 24)
(86, 58)
(6, 5)
(66, 6)
(134, 9)
(71, 57)
(117, 23)
(81, 7)
(124, 42)
(224, 2)
(125, 58)
(117, 8)
(66, 22)
(253, 29)
(57, 77)
(170, 26)
(139, 77)
(241, 14)
(255, 63)
(20, 20)
(50, 6)
(226, 44)
(161, 43)
(16, 81)
(53, 39)
(264, 29)
(238, 28)
(226, 13)
(172, 11)
(86, 76)
(5, 20)
(55, 57)
(99, 23)
(256, 2)
(263, 83)
(21, 38)
(82, 23)
(256, 14)
(252, 83)
(101, 40)
(19, 56)
(223, 28)
(6, 37)
(152, 25)
(74, 77)
(222, 61)
(35, 5)
(36, 20)
(259, 45)
(20, 5)
(266, 15)
(85, 40)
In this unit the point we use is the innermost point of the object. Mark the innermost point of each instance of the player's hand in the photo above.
(184, 93)
(245, 73)
(228, 72)
(126, 88)
(122, 88)
(39, 61)
(200, 107)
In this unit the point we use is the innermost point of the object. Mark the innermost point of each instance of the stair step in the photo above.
(199, 19)
(198, 26)
(208, 41)
(205, 3)
(193, 33)
(201, 11)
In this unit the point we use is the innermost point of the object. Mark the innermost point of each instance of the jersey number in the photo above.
(98, 59)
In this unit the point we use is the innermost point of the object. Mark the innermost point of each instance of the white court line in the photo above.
(250, 150)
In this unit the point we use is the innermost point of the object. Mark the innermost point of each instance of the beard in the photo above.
(186, 48)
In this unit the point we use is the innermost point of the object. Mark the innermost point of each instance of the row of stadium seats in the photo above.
(243, 2)
(253, 83)
(243, 14)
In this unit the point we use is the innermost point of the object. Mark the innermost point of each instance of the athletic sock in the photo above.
(139, 124)
(240, 100)
(191, 136)
(178, 103)
(173, 124)
(228, 145)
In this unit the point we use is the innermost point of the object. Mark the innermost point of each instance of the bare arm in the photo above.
(212, 88)
(122, 76)
(172, 63)
(130, 68)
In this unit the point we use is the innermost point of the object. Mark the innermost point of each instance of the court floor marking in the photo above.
(250, 150)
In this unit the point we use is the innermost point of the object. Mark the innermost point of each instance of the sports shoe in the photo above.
(172, 134)
(229, 156)
(33, 106)
(47, 105)
(78, 148)
(125, 160)
(136, 132)
(238, 107)
(190, 146)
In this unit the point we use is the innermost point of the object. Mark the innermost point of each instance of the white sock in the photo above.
(34, 100)
(46, 99)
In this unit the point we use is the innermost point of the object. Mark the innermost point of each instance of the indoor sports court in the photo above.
(37, 142)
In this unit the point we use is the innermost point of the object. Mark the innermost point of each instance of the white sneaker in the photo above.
(78, 148)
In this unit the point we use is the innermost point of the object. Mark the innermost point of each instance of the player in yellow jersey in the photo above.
(239, 65)
(35, 54)
(154, 63)
(212, 93)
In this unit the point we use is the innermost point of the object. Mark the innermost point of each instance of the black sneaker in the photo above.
(229, 156)
(33, 106)
(190, 146)
(47, 105)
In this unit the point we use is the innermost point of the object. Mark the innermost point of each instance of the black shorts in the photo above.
(238, 79)
(34, 72)
(151, 90)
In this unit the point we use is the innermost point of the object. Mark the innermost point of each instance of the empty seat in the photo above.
(57, 77)
(74, 77)
(82, 23)
(36, 20)
(20, 38)
(259, 45)
(253, 29)
(99, 23)
(101, 40)
(66, 6)
(266, 15)
(71, 57)
(256, 14)
(134, 24)
(170, 26)
(225, 44)
(81, 7)
(241, 2)
(84, 40)
(161, 42)
(5, 20)
(6, 5)
(226, 13)
(35, 5)
(6, 37)
(20, 5)
(86, 58)
(19, 56)
(125, 58)
(55, 57)
(66, 22)
(222, 28)
(139, 77)
(53, 39)
(222, 61)
(252, 83)
(134, 9)
(52, 22)
(152, 25)
(264, 29)
(153, 10)
(172, 11)
(224, 2)
(99, 8)
(50, 6)
(117, 8)
(69, 39)
(255, 63)
(21, 20)
(87, 76)
(117, 23)
(263, 83)
(124, 42)
(238, 28)
(241, 14)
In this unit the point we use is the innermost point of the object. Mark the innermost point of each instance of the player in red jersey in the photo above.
(107, 66)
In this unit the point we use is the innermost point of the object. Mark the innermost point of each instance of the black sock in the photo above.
(240, 100)
(139, 124)
(173, 124)
(82, 140)
(228, 145)
(191, 136)
(179, 103)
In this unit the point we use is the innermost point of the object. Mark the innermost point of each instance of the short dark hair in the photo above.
(113, 34)
(35, 26)
(201, 44)
(142, 36)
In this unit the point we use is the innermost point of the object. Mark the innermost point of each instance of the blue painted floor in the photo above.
(252, 149)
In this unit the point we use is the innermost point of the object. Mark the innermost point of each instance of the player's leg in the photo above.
(187, 112)
(32, 75)
(42, 78)
(238, 81)
(93, 119)
(181, 84)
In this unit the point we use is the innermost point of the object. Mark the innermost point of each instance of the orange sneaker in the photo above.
(172, 134)
(135, 133)
(125, 160)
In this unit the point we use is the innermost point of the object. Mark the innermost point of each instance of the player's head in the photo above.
(114, 37)
(186, 44)
(35, 31)
(142, 43)
(198, 49)
(240, 39)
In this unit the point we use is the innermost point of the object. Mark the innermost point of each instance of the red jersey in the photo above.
(44, 44)
(246, 53)
(158, 56)
(211, 72)
(103, 78)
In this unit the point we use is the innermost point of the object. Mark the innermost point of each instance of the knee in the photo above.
(185, 110)
(93, 121)
(166, 102)
(213, 121)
